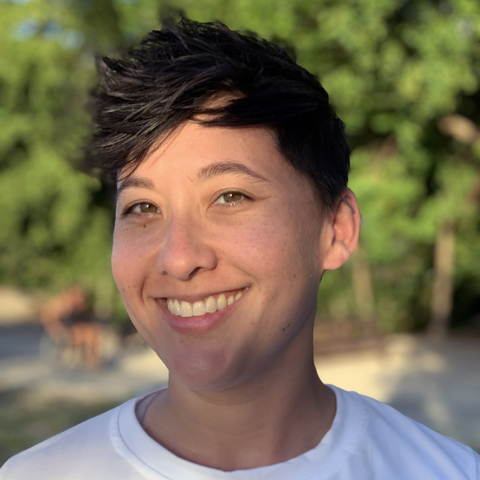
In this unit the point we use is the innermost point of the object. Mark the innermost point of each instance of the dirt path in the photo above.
(436, 383)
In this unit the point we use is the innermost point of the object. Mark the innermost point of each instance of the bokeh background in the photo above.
(404, 75)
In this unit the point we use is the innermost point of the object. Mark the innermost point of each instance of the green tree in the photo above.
(55, 230)
(401, 74)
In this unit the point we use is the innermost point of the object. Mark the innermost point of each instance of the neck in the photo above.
(279, 415)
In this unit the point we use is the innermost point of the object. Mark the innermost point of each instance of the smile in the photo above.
(210, 305)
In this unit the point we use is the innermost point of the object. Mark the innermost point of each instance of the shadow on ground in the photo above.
(25, 421)
(441, 387)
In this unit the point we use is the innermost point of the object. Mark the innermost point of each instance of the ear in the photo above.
(341, 233)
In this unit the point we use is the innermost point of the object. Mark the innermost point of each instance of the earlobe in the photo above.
(342, 232)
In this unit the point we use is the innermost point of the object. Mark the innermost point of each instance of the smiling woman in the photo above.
(191, 245)
(223, 231)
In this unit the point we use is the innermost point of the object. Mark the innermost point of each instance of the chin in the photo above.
(204, 369)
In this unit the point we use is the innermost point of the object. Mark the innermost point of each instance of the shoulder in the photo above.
(67, 451)
(388, 441)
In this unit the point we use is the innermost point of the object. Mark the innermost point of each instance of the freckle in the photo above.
(283, 329)
(144, 226)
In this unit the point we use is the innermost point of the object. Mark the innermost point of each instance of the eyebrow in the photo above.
(135, 182)
(212, 170)
(223, 168)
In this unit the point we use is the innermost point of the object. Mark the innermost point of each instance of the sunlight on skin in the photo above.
(216, 212)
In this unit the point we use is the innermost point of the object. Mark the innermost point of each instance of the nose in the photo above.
(184, 251)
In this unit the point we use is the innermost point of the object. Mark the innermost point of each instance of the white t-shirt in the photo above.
(368, 441)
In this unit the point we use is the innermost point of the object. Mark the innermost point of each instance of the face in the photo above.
(218, 253)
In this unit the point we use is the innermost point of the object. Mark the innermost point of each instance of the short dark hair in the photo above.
(174, 73)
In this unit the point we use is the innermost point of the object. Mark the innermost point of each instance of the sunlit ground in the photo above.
(436, 383)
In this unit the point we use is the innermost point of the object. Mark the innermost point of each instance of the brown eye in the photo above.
(230, 197)
(145, 208)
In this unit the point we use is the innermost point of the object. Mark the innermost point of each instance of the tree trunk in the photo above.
(443, 275)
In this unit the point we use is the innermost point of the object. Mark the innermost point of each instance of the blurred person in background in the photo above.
(232, 170)
(75, 334)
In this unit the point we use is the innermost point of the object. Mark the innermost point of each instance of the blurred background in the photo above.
(400, 321)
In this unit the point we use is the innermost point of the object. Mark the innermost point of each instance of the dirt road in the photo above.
(436, 383)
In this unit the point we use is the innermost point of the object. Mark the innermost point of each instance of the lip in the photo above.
(197, 325)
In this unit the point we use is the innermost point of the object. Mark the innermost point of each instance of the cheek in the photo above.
(128, 271)
(132, 248)
(129, 262)
(120, 254)
(270, 247)
(124, 280)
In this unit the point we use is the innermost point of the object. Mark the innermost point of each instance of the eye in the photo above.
(229, 198)
(143, 207)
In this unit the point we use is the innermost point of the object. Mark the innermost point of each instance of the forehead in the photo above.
(203, 152)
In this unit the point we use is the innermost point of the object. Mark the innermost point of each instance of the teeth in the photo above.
(211, 305)
(186, 309)
(222, 301)
(177, 309)
(199, 309)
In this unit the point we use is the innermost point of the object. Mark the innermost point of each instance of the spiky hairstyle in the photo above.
(173, 75)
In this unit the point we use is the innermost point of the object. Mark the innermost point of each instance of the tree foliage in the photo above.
(403, 75)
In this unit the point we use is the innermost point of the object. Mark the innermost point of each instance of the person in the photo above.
(71, 327)
(232, 172)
